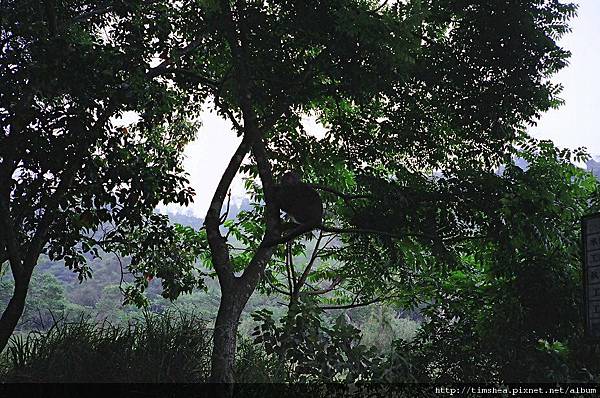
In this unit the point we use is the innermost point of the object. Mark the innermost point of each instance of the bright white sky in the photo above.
(575, 123)
(572, 126)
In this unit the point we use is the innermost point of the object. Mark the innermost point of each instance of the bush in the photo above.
(307, 351)
(171, 347)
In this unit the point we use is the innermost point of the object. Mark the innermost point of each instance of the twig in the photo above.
(288, 266)
(292, 267)
(309, 266)
(278, 290)
(334, 283)
(224, 215)
(122, 273)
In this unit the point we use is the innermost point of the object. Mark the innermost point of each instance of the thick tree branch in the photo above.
(289, 236)
(217, 243)
(263, 253)
(3, 256)
(10, 239)
(252, 140)
(365, 231)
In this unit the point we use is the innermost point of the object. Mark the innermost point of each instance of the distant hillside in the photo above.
(591, 165)
(197, 222)
(188, 220)
(594, 167)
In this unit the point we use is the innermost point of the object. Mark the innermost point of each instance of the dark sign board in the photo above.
(591, 273)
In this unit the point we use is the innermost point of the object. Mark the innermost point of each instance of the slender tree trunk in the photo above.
(14, 309)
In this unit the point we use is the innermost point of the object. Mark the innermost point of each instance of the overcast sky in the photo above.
(573, 125)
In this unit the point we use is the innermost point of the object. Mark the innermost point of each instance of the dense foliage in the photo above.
(507, 306)
(425, 106)
(173, 347)
(76, 176)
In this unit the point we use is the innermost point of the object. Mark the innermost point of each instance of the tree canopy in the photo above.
(74, 177)
(422, 101)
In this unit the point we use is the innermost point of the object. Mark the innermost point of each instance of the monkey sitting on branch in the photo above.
(301, 202)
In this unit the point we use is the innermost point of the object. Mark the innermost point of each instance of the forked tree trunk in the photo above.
(14, 309)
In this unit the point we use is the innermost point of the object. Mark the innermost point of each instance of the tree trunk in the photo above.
(224, 338)
(14, 309)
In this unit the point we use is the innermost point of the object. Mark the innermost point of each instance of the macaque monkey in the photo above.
(301, 203)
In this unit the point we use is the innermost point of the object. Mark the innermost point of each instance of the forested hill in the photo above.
(56, 292)
(191, 220)
(56, 295)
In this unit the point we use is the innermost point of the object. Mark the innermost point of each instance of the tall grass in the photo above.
(171, 347)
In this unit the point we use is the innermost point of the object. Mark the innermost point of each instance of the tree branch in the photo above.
(289, 236)
(380, 7)
(252, 140)
(333, 285)
(353, 304)
(39, 238)
(368, 231)
(197, 76)
(309, 266)
(3, 256)
(88, 14)
(162, 67)
(263, 253)
(217, 243)
(10, 240)
(288, 265)
(278, 290)
(342, 195)
(226, 214)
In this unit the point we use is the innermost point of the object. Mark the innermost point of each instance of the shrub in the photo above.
(171, 347)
